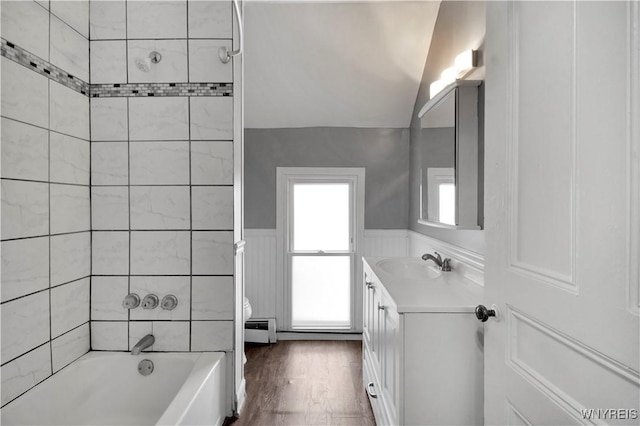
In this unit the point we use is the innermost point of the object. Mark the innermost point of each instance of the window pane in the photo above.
(321, 216)
(447, 212)
(320, 291)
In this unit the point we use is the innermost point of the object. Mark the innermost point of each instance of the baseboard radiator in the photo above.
(260, 330)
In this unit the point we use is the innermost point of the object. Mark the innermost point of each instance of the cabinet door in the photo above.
(390, 356)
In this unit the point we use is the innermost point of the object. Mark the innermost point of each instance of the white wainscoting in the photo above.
(386, 243)
(260, 260)
(260, 271)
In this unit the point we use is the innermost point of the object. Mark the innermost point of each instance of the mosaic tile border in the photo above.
(29, 60)
(161, 89)
(23, 57)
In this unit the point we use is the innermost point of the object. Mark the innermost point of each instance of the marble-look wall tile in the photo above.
(211, 118)
(109, 119)
(25, 94)
(25, 267)
(159, 163)
(160, 207)
(71, 346)
(211, 163)
(212, 253)
(69, 159)
(25, 151)
(110, 253)
(107, 294)
(171, 69)
(108, 19)
(23, 373)
(25, 209)
(108, 61)
(70, 257)
(25, 324)
(170, 336)
(211, 335)
(70, 208)
(157, 119)
(26, 24)
(212, 207)
(69, 111)
(161, 287)
(210, 18)
(74, 13)
(156, 19)
(69, 50)
(109, 208)
(109, 163)
(69, 306)
(204, 64)
(212, 298)
(160, 253)
(109, 336)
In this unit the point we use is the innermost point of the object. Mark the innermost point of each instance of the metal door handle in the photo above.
(369, 285)
(381, 307)
(483, 314)
(370, 391)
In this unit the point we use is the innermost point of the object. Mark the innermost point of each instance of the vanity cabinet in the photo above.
(422, 361)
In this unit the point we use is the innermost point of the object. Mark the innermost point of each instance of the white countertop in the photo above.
(448, 292)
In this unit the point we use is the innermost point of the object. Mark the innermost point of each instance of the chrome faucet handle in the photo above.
(446, 265)
(131, 301)
(438, 256)
(169, 302)
(150, 301)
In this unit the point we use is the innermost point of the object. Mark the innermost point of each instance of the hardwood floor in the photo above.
(305, 383)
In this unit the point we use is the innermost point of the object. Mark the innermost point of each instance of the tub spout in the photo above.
(143, 344)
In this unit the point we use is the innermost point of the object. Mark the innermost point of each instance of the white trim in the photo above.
(241, 396)
(286, 335)
(286, 175)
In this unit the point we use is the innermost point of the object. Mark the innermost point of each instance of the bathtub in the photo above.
(105, 388)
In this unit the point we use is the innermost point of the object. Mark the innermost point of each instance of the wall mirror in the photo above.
(451, 158)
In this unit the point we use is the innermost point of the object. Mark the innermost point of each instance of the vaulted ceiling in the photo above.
(335, 64)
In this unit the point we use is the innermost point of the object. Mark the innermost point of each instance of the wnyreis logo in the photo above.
(609, 413)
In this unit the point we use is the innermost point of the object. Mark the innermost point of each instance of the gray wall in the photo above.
(460, 26)
(383, 152)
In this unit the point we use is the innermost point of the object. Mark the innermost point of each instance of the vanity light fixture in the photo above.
(464, 62)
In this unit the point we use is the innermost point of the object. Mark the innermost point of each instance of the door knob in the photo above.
(483, 314)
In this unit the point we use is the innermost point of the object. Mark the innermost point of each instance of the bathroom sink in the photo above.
(409, 268)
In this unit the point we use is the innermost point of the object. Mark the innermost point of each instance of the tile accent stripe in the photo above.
(161, 89)
(19, 55)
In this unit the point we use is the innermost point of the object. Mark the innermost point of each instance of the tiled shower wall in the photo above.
(162, 173)
(45, 190)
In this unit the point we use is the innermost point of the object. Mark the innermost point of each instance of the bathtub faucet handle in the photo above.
(150, 301)
(169, 302)
(131, 301)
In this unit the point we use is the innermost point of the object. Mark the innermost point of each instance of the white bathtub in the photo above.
(105, 388)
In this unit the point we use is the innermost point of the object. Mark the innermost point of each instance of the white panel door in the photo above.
(561, 213)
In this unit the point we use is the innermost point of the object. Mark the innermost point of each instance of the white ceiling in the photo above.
(335, 64)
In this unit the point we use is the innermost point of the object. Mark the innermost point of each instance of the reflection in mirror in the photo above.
(450, 160)
(438, 162)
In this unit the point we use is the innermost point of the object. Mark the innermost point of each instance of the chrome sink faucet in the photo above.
(143, 344)
(443, 264)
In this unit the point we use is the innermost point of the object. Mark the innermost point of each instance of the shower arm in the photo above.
(223, 53)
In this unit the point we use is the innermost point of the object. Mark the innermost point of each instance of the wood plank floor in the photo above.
(305, 383)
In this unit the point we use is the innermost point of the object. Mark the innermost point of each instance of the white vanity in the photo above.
(422, 344)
